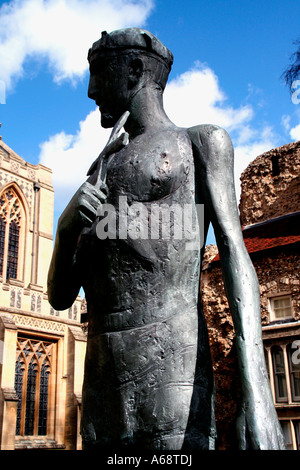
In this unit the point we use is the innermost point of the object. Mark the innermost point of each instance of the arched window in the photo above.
(13, 250)
(33, 367)
(10, 223)
(2, 238)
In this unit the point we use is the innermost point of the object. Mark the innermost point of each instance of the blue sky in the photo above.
(228, 60)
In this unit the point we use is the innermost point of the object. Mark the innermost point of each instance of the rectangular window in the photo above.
(281, 307)
(279, 375)
(294, 365)
(297, 432)
(291, 434)
(287, 434)
(285, 368)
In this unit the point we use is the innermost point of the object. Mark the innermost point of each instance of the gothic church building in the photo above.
(41, 350)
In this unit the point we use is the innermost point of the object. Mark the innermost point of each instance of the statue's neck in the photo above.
(146, 112)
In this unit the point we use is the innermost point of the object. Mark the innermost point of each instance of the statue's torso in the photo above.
(144, 278)
(142, 307)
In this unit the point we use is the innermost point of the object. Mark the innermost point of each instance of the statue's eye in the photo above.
(98, 65)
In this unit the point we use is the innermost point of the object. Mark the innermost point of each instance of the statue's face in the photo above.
(108, 87)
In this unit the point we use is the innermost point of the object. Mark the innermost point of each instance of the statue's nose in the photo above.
(93, 88)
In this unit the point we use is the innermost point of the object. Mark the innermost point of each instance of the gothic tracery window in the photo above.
(10, 223)
(33, 369)
(2, 238)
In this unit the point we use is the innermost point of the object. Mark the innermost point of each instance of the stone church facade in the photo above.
(41, 350)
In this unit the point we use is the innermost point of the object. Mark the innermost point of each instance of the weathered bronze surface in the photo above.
(148, 375)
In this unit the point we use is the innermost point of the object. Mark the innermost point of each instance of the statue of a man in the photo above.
(148, 380)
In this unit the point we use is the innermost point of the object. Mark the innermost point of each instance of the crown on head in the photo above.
(131, 38)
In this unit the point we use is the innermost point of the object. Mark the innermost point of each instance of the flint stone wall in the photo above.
(270, 185)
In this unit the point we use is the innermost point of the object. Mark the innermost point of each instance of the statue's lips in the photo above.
(99, 104)
(103, 110)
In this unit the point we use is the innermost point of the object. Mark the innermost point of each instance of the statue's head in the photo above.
(121, 62)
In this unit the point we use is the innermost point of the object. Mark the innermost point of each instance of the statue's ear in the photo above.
(135, 72)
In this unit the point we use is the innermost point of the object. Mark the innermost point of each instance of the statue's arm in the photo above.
(213, 153)
(64, 277)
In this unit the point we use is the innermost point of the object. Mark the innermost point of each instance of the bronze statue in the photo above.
(148, 375)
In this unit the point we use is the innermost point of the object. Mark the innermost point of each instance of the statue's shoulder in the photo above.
(210, 143)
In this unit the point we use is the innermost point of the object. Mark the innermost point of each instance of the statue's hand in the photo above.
(258, 421)
(82, 209)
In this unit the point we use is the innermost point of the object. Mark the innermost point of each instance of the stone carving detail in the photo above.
(31, 174)
(19, 298)
(38, 324)
(25, 186)
(15, 167)
(12, 297)
(32, 304)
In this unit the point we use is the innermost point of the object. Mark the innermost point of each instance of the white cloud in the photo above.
(60, 31)
(286, 122)
(193, 98)
(70, 156)
(295, 133)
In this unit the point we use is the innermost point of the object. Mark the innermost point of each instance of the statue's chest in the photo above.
(149, 170)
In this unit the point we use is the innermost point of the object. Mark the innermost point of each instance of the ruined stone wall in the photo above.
(270, 185)
(222, 345)
(277, 272)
